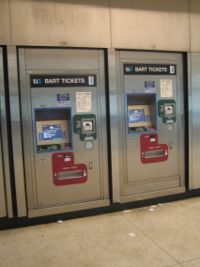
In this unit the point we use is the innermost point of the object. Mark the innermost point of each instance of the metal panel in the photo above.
(114, 111)
(194, 119)
(42, 194)
(139, 180)
(16, 131)
(4, 140)
(3, 211)
(5, 186)
(150, 24)
(60, 23)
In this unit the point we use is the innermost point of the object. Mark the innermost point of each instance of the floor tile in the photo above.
(193, 263)
(175, 227)
(101, 241)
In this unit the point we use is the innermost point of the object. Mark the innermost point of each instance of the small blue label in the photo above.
(61, 98)
(149, 86)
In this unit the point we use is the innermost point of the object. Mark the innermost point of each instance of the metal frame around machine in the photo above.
(6, 208)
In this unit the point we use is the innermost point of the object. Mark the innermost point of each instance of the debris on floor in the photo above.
(151, 209)
(132, 235)
(126, 211)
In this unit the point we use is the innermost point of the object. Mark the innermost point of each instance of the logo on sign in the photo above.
(37, 81)
(129, 68)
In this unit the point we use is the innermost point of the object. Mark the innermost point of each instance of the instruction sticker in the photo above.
(83, 101)
(166, 88)
(149, 87)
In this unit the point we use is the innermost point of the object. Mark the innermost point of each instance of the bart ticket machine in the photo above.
(153, 125)
(64, 129)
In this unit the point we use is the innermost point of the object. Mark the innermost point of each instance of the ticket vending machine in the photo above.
(6, 209)
(63, 109)
(150, 124)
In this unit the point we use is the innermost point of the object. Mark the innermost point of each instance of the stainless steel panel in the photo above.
(5, 191)
(161, 193)
(137, 178)
(114, 124)
(68, 208)
(3, 211)
(194, 119)
(16, 131)
(42, 194)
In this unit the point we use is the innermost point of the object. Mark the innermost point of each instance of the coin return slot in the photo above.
(154, 153)
(71, 175)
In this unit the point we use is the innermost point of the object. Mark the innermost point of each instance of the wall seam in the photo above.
(111, 43)
(190, 25)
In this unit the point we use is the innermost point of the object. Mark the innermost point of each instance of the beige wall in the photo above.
(60, 23)
(152, 24)
(134, 24)
(195, 25)
(4, 22)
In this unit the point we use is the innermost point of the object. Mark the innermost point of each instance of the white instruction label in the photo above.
(83, 101)
(166, 88)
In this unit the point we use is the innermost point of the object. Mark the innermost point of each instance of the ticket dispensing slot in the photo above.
(53, 129)
(70, 175)
(141, 112)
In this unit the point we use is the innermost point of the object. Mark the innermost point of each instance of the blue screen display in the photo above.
(52, 132)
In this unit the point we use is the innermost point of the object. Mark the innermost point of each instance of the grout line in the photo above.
(175, 265)
(191, 260)
(179, 264)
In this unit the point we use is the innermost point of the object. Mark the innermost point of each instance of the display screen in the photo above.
(138, 116)
(52, 132)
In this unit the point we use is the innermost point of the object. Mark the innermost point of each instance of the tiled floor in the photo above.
(162, 235)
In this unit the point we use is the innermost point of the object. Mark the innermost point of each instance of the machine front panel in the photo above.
(66, 133)
(153, 152)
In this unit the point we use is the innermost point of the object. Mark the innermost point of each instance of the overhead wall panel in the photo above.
(4, 23)
(151, 24)
(195, 25)
(60, 23)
